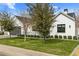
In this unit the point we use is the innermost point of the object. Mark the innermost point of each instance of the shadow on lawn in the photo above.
(53, 41)
(47, 41)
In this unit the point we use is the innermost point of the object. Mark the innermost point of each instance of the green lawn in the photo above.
(54, 46)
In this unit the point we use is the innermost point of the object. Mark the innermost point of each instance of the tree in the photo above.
(42, 17)
(25, 21)
(7, 22)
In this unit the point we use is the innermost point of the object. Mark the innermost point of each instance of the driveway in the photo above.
(15, 51)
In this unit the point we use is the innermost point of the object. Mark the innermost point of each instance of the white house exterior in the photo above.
(68, 22)
(19, 23)
(62, 21)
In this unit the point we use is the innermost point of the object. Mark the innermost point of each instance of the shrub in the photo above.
(56, 36)
(48, 36)
(74, 37)
(65, 37)
(1, 33)
(60, 36)
(69, 37)
(28, 35)
(38, 36)
(51, 36)
(33, 35)
(78, 37)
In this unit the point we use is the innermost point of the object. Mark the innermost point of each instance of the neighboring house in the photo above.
(65, 25)
(20, 23)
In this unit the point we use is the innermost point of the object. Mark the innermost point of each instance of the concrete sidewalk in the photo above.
(75, 51)
(15, 51)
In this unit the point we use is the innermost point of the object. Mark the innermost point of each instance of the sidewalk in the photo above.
(75, 51)
(15, 51)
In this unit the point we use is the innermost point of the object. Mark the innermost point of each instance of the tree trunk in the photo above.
(10, 34)
(44, 39)
(25, 33)
(25, 36)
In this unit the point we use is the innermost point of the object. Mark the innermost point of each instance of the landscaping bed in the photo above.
(52, 46)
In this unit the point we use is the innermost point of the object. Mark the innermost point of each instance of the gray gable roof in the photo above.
(68, 16)
(24, 20)
(72, 14)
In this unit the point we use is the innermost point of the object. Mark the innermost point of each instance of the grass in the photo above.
(54, 46)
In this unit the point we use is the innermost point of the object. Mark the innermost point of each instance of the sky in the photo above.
(14, 8)
(59, 7)
(72, 7)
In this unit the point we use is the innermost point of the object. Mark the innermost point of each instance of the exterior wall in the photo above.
(29, 30)
(78, 31)
(19, 23)
(5, 33)
(61, 19)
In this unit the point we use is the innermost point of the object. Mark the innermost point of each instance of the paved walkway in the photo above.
(15, 51)
(75, 51)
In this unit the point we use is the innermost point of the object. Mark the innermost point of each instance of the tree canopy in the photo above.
(42, 17)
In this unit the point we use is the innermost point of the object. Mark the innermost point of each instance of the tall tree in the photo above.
(25, 19)
(42, 17)
(7, 22)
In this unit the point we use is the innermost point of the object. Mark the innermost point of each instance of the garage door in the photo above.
(16, 31)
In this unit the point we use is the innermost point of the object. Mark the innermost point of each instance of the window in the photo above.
(61, 28)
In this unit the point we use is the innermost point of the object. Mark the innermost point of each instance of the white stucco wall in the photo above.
(19, 23)
(61, 19)
(29, 30)
(78, 31)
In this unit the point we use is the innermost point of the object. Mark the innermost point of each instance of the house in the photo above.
(65, 25)
(20, 23)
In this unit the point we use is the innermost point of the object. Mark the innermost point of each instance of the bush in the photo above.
(69, 37)
(38, 36)
(1, 33)
(51, 36)
(78, 37)
(65, 37)
(56, 36)
(74, 37)
(33, 35)
(60, 36)
(28, 36)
